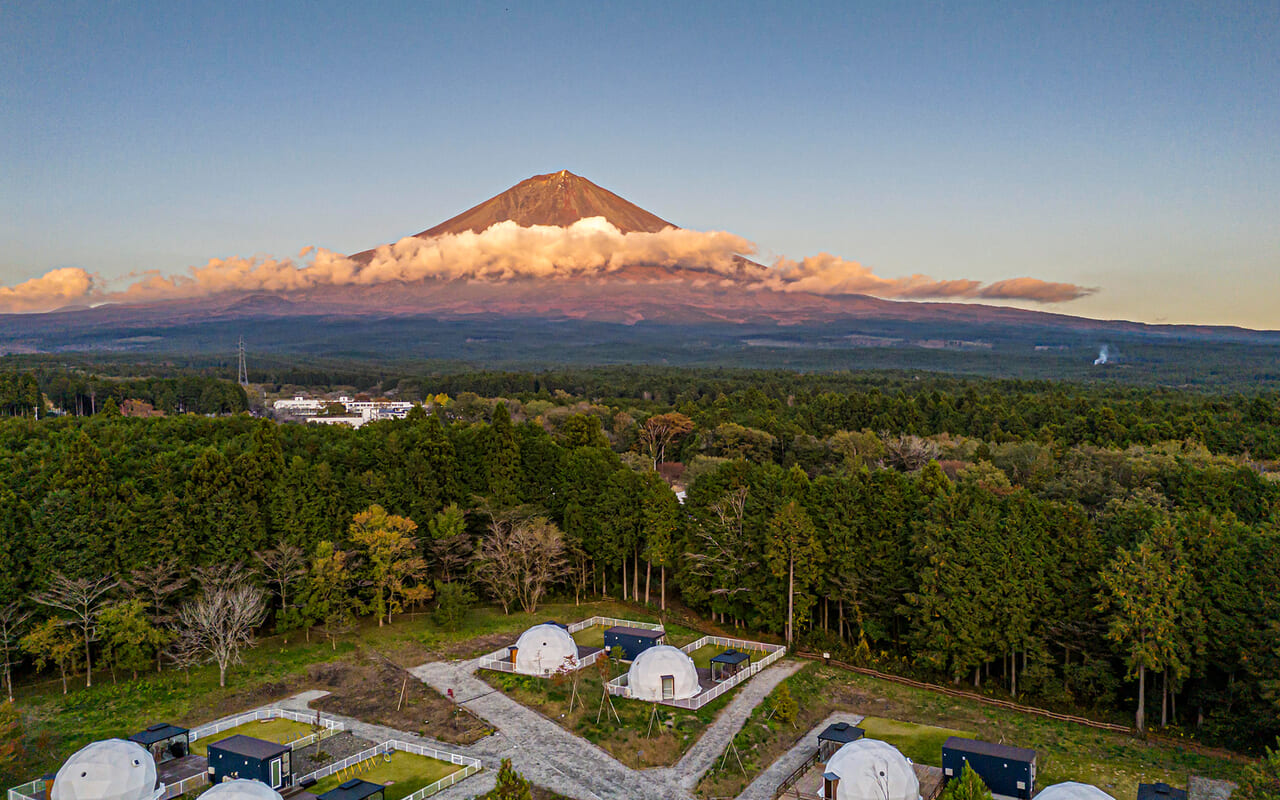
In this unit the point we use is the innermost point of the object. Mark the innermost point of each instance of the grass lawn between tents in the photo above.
(920, 743)
(402, 773)
(917, 721)
(674, 730)
(280, 731)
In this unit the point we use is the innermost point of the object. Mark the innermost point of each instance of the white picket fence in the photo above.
(613, 622)
(772, 652)
(330, 726)
(31, 790)
(185, 785)
(470, 766)
(500, 660)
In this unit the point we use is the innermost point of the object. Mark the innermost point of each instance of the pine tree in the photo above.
(966, 787)
(794, 553)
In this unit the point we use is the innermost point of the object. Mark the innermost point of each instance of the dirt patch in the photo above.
(372, 689)
(244, 700)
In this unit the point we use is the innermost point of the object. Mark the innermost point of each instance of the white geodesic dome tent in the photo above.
(869, 769)
(542, 650)
(241, 789)
(661, 673)
(1073, 791)
(108, 770)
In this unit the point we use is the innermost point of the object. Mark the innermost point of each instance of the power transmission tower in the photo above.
(243, 374)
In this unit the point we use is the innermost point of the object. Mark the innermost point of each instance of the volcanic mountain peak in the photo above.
(560, 199)
(557, 198)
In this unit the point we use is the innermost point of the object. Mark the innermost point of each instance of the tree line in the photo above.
(1086, 576)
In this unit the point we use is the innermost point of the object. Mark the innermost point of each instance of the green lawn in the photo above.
(281, 731)
(590, 637)
(703, 655)
(917, 721)
(402, 773)
(56, 725)
(920, 743)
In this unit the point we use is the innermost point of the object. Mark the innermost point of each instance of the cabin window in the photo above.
(668, 687)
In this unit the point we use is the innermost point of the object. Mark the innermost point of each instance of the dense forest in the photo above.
(1070, 545)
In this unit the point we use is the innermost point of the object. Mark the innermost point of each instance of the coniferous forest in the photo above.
(1073, 546)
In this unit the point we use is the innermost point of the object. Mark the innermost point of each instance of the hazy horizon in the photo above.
(1129, 149)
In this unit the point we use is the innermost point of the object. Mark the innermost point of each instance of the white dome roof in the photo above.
(646, 673)
(241, 789)
(870, 769)
(1073, 791)
(108, 770)
(542, 649)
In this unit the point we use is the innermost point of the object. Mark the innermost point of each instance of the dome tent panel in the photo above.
(544, 649)
(1072, 790)
(108, 770)
(869, 769)
(662, 673)
(241, 789)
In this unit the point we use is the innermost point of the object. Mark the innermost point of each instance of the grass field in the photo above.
(56, 725)
(920, 743)
(402, 773)
(281, 731)
(917, 721)
(703, 655)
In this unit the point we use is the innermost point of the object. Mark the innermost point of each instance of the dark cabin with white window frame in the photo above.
(242, 756)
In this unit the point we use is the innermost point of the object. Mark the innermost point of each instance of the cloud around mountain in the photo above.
(588, 249)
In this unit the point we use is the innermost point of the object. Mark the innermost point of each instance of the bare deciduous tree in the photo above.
(185, 651)
(223, 576)
(12, 621)
(223, 621)
(909, 453)
(155, 585)
(519, 559)
(82, 599)
(723, 559)
(281, 566)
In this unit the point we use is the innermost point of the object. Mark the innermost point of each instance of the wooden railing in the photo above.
(795, 776)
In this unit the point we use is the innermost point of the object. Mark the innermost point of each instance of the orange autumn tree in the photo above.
(396, 569)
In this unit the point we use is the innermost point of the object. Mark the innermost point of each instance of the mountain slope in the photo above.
(557, 198)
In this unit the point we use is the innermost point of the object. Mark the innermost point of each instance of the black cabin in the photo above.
(1004, 769)
(837, 735)
(355, 789)
(242, 756)
(1160, 791)
(631, 641)
(165, 742)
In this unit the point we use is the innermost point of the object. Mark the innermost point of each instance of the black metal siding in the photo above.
(1000, 774)
(632, 646)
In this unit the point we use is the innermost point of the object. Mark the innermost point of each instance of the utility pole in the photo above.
(243, 373)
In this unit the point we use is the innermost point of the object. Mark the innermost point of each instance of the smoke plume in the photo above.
(1103, 356)
(590, 248)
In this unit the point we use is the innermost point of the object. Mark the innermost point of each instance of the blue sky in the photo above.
(1127, 146)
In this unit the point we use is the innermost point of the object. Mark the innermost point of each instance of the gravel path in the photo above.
(709, 747)
(552, 757)
(763, 787)
(541, 750)
(335, 748)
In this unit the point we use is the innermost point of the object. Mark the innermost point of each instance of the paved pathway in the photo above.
(540, 749)
(709, 747)
(554, 758)
(763, 787)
